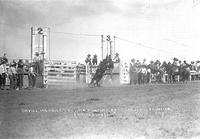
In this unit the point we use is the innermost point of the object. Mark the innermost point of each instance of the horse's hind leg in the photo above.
(97, 83)
(92, 83)
(173, 79)
(169, 79)
(183, 78)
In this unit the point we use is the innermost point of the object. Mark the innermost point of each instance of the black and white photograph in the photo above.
(99, 69)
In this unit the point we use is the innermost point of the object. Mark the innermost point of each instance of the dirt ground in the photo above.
(155, 111)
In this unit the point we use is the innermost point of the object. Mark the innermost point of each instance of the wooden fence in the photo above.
(61, 73)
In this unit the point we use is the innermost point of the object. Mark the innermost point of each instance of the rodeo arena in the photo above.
(43, 72)
(104, 97)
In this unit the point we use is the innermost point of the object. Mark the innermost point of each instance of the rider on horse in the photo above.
(103, 66)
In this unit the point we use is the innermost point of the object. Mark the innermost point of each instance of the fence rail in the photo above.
(59, 73)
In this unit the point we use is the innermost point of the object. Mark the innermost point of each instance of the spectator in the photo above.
(192, 66)
(179, 63)
(20, 66)
(198, 65)
(88, 60)
(144, 62)
(5, 59)
(14, 63)
(137, 64)
(157, 63)
(32, 77)
(175, 62)
(12, 74)
(26, 71)
(3, 73)
(37, 62)
(94, 60)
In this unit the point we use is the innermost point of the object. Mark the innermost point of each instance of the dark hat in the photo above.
(88, 55)
(175, 59)
(36, 53)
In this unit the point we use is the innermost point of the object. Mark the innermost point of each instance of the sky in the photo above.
(150, 29)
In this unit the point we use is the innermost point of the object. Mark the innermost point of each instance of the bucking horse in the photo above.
(104, 66)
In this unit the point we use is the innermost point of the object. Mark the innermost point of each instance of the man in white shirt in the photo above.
(12, 74)
(32, 77)
(1, 71)
(2, 74)
(37, 60)
(144, 62)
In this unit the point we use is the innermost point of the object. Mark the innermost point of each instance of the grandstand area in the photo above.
(151, 111)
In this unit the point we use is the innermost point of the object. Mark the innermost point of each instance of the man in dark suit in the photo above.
(94, 60)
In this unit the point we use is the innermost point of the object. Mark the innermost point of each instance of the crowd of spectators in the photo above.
(18, 74)
(144, 71)
(193, 65)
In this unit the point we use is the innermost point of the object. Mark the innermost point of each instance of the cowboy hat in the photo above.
(175, 59)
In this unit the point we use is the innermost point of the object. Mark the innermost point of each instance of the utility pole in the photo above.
(114, 45)
(49, 44)
(31, 43)
(111, 52)
(107, 48)
(102, 46)
(43, 59)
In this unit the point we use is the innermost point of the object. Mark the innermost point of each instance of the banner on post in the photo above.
(124, 73)
(88, 74)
